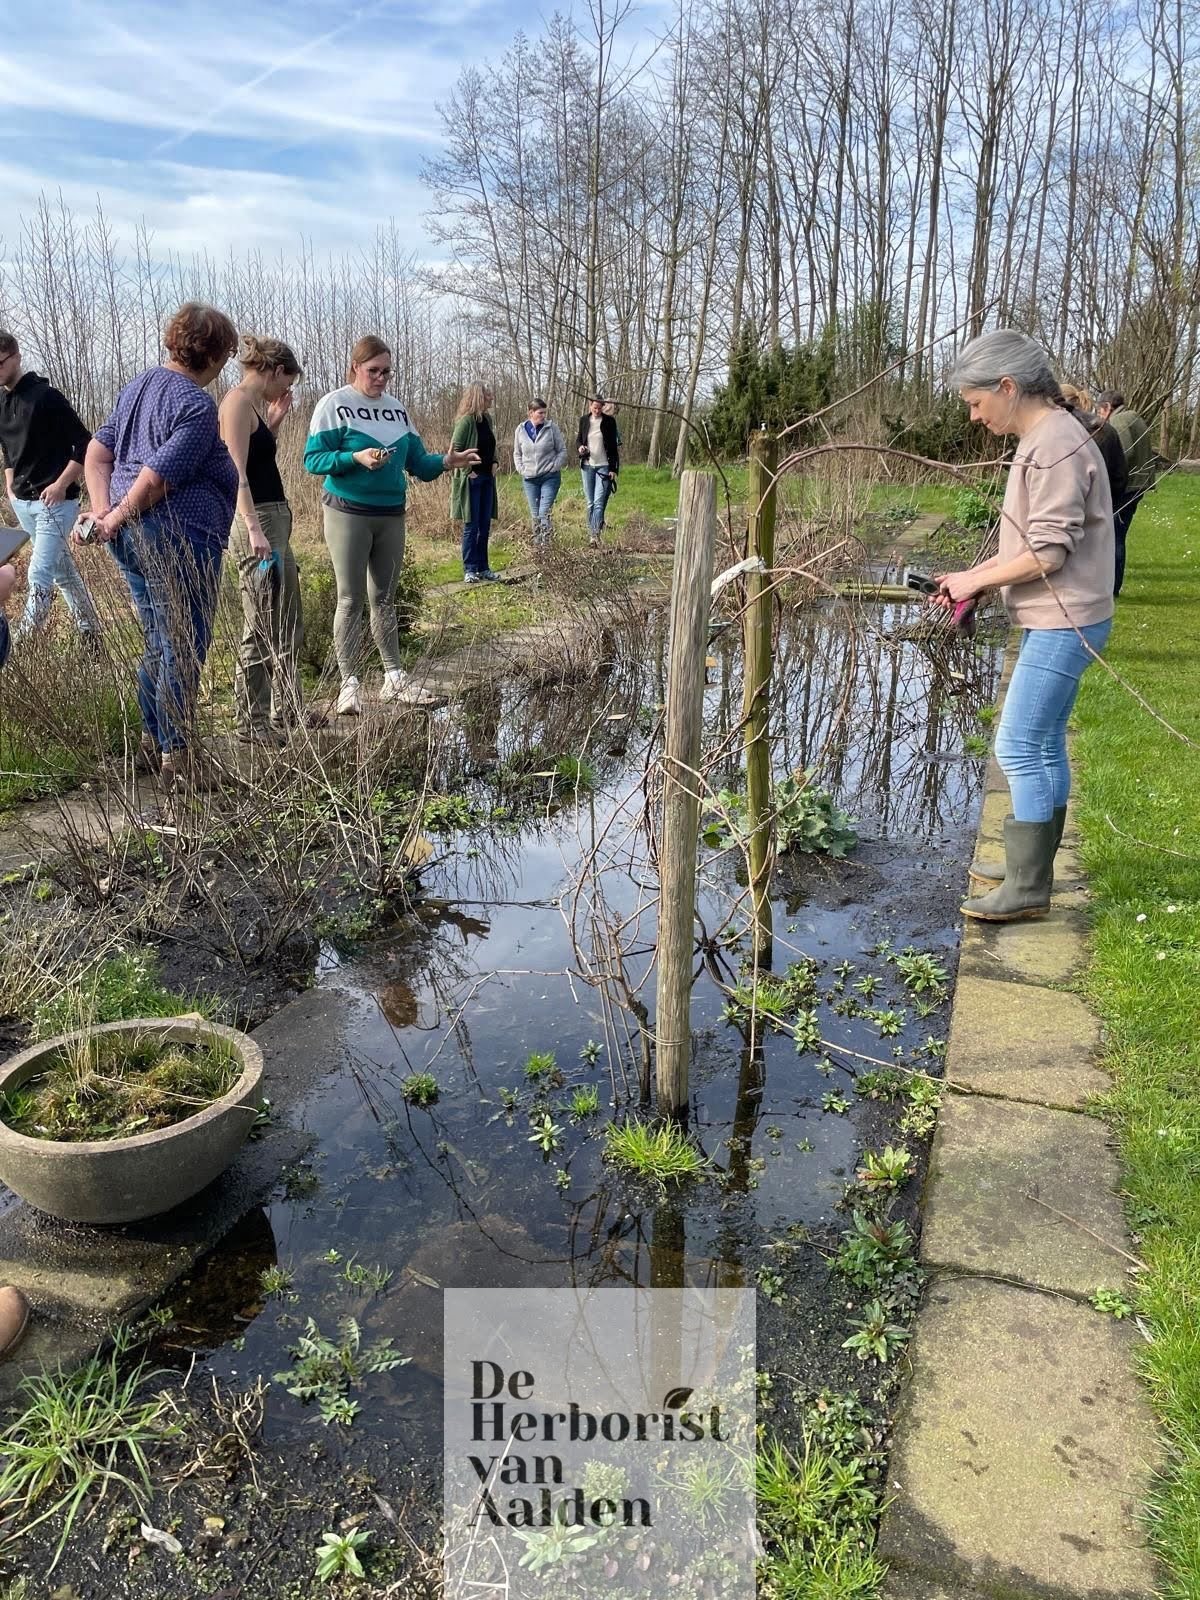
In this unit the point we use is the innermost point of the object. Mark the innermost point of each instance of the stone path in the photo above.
(1025, 1446)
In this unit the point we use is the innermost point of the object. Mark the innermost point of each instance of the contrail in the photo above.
(260, 78)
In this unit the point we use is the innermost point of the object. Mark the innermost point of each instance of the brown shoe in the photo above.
(14, 1318)
(147, 757)
(185, 771)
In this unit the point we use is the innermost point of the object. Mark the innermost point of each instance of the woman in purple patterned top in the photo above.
(163, 488)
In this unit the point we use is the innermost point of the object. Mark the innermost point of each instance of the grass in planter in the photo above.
(109, 1087)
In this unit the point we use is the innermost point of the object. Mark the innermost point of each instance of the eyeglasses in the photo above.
(378, 372)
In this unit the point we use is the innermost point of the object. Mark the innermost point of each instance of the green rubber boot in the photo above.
(1028, 875)
(987, 874)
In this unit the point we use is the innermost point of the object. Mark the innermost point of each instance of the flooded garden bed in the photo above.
(479, 1120)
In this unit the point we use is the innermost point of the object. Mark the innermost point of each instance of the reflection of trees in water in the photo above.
(875, 715)
(882, 719)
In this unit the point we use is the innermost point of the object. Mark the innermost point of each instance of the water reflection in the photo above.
(536, 936)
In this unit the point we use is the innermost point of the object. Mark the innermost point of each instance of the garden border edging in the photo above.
(1024, 1445)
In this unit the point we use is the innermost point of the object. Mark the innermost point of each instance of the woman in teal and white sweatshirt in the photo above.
(362, 442)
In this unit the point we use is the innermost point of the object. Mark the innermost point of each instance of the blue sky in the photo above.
(245, 123)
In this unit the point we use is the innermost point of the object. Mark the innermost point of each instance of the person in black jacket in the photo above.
(1108, 442)
(42, 442)
(599, 461)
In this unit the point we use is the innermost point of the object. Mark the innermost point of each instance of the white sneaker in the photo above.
(398, 686)
(348, 702)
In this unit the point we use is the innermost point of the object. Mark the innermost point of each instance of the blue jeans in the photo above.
(597, 486)
(51, 566)
(174, 581)
(541, 492)
(1031, 741)
(481, 490)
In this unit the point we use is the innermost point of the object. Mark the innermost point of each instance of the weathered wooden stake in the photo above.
(757, 656)
(690, 607)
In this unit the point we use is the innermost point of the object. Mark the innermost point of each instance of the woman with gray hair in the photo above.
(1054, 570)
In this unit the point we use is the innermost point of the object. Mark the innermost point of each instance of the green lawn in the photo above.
(1139, 797)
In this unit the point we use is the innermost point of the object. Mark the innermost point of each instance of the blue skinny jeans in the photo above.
(174, 581)
(1031, 741)
(51, 566)
(597, 486)
(541, 493)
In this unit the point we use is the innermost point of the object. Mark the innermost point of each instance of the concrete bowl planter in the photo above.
(124, 1180)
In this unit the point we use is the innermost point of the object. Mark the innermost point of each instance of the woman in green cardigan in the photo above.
(473, 489)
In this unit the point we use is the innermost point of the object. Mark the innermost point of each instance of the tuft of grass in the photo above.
(360, 1276)
(585, 1101)
(576, 772)
(420, 1088)
(82, 1435)
(815, 1513)
(541, 1064)
(659, 1150)
(1140, 832)
(276, 1282)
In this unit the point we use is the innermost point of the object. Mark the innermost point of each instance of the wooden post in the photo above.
(690, 609)
(756, 672)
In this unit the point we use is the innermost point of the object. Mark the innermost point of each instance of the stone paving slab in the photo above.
(1022, 1042)
(988, 1156)
(1024, 1452)
(907, 1586)
(918, 533)
(1050, 949)
(996, 806)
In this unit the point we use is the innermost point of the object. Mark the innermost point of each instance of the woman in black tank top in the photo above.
(262, 469)
(267, 686)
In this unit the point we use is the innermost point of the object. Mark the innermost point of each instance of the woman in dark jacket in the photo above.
(1079, 402)
(600, 461)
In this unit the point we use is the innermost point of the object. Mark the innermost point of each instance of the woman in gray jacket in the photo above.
(539, 455)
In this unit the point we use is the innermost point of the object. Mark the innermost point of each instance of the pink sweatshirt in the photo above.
(1058, 498)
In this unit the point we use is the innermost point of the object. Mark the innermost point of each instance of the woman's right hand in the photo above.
(371, 458)
(105, 527)
(260, 545)
(959, 586)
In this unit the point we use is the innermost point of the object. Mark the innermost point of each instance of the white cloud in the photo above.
(192, 209)
(273, 71)
(239, 125)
